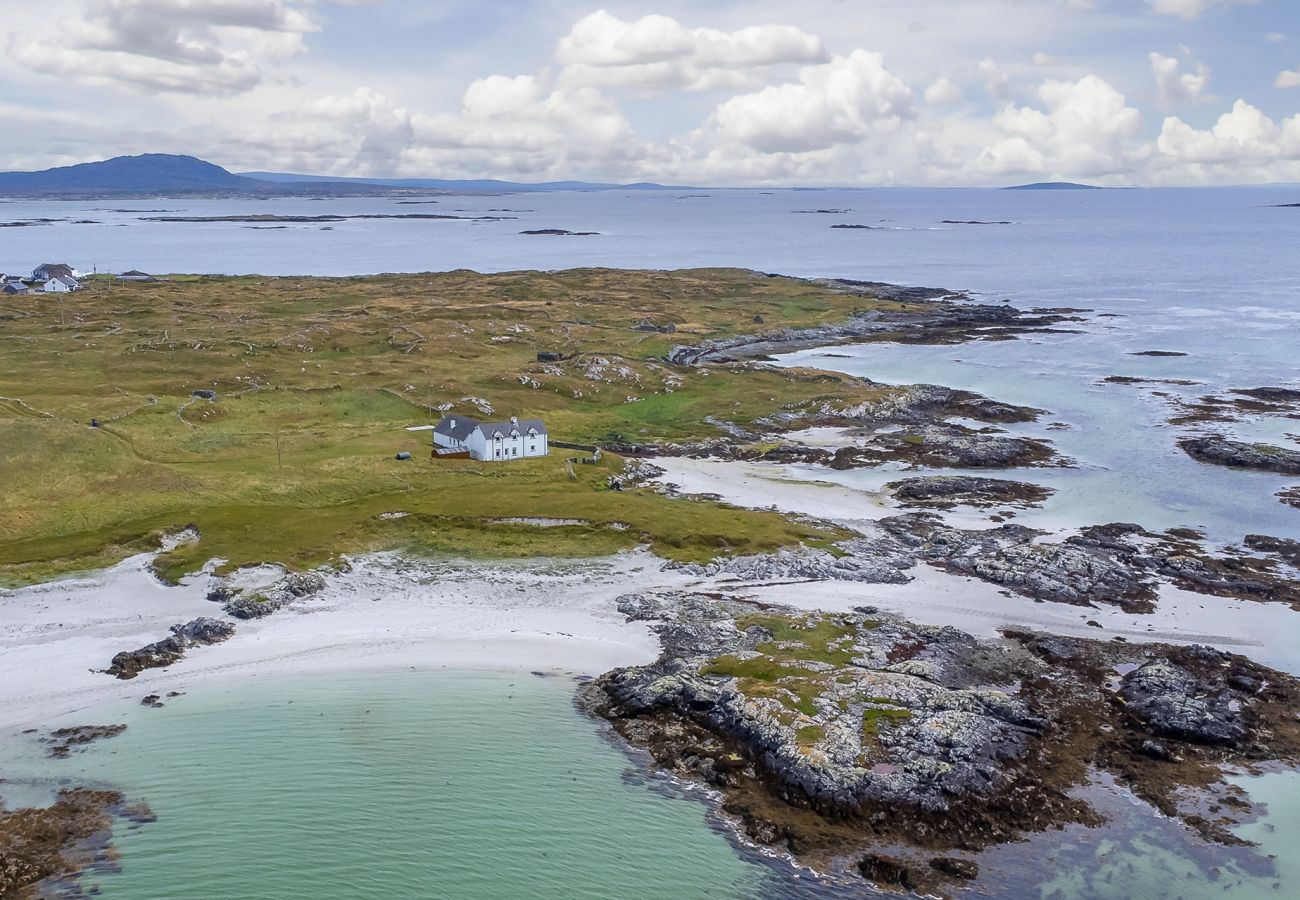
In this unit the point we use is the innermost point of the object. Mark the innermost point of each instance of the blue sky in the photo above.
(760, 92)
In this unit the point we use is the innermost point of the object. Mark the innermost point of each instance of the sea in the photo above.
(487, 785)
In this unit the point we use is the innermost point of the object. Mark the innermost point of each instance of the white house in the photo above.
(61, 284)
(516, 439)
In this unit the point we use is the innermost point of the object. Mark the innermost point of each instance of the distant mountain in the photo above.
(151, 172)
(451, 185)
(163, 174)
(1054, 186)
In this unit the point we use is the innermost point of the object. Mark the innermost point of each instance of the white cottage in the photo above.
(516, 439)
(61, 284)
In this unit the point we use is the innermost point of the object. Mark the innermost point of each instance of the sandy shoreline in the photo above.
(389, 613)
(385, 614)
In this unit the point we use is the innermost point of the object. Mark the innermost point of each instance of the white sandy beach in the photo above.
(386, 613)
(555, 616)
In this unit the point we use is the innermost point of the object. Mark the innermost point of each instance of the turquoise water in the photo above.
(413, 785)
(476, 785)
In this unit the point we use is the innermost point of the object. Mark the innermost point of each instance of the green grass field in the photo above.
(316, 380)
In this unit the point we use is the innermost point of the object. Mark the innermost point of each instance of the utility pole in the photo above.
(279, 457)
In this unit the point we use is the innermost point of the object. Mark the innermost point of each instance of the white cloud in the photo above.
(1043, 59)
(996, 82)
(1275, 37)
(1174, 85)
(1087, 130)
(1243, 139)
(1288, 78)
(942, 93)
(659, 52)
(183, 46)
(844, 100)
(1190, 9)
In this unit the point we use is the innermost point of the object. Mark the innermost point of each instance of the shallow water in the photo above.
(493, 785)
(407, 785)
(1128, 465)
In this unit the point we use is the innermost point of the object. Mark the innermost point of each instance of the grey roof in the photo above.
(491, 428)
(66, 281)
(53, 269)
(465, 426)
(15, 287)
(456, 427)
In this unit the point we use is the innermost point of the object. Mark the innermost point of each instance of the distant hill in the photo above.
(151, 172)
(162, 174)
(1054, 186)
(451, 185)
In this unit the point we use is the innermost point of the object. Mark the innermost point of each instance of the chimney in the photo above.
(514, 420)
(452, 424)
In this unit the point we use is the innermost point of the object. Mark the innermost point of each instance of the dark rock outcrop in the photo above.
(64, 740)
(947, 491)
(160, 654)
(255, 605)
(1221, 451)
(1173, 702)
(838, 733)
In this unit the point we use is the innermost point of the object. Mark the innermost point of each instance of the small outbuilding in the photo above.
(135, 275)
(14, 287)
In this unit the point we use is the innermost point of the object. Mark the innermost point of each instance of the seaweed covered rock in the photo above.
(947, 491)
(1221, 451)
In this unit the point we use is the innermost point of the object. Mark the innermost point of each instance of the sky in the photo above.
(760, 92)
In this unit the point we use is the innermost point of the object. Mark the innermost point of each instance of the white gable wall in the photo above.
(506, 445)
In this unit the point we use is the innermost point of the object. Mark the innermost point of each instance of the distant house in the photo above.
(135, 275)
(516, 439)
(14, 287)
(61, 284)
(53, 270)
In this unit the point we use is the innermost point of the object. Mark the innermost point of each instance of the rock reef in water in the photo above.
(44, 850)
(1242, 403)
(1103, 565)
(834, 734)
(160, 654)
(65, 740)
(1220, 451)
(948, 491)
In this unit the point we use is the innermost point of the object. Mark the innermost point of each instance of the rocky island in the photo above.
(862, 739)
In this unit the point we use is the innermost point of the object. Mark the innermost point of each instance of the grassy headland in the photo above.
(315, 379)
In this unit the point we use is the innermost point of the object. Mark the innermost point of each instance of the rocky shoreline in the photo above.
(937, 316)
(1119, 564)
(833, 736)
(909, 426)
